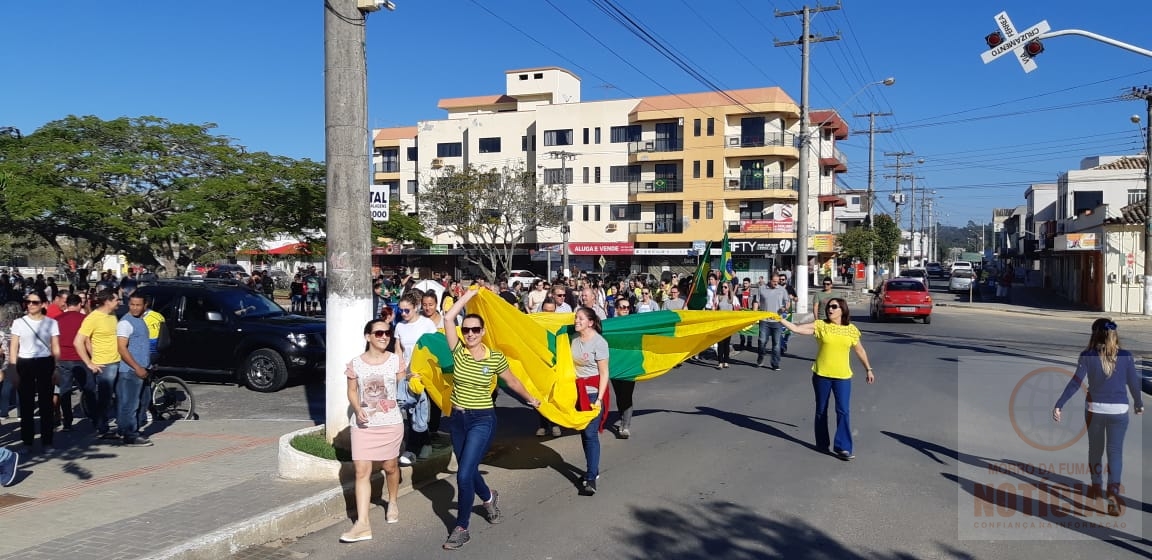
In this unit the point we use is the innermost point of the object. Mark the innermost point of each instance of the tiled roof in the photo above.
(398, 133)
(1126, 163)
(713, 99)
(830, 119)
(478, 101)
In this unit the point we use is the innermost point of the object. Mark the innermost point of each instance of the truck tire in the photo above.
(264, 371)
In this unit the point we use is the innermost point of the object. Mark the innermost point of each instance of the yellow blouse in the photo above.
(835, 342)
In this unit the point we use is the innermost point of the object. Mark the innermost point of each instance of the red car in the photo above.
(902, 297)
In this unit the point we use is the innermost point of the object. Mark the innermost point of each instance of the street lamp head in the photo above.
(889, 81)
(1135, 119)
(920, 161)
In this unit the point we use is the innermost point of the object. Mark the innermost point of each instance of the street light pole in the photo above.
(1145, 93)
(564, 156)
(870, 268)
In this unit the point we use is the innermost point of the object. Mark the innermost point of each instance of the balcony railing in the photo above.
(656, 186)
(779, 139)
(659, 226)
(388, 167)
(657, 145)
(753, 183)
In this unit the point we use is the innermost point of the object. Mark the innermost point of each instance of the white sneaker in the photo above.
(407, 458)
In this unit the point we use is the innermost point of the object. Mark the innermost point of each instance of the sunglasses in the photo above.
(833, 307)
(36, 301)
(623, 306)
(381, 334)
(471, 330)
(647, 293)
(405, 311)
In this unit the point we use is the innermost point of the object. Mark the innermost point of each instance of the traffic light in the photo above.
(1034, 47)
(994, 39)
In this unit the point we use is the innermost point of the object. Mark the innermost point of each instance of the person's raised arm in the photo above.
(517, 387)
(450, 318)
(806, 328)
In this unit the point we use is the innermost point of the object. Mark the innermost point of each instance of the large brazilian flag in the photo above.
(538, 347)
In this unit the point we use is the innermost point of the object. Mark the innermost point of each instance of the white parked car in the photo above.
(961, 265)
(961, 280)
(524, 277)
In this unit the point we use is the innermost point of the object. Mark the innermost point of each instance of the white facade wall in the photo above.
(1114, 184)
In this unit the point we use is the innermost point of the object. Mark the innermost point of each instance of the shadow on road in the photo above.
(754, 423)
(1063, 496)
(731, 531)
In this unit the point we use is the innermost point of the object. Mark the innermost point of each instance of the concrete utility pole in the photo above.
(897, 199)
(800, 276)
(912, 220)
(349, 225)
(1145, 93)
(870, 268)
(564, 156)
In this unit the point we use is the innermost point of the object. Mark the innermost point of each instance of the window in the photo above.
(586, 135)
(708, 209)
(855, 200)
(695, 210)
(568, 213)
(538, 76)
(389, 160)
(412, 187)
(393, 189)
(490, 145)
(412, 153)
(528, 143)
(523, 76)
(597, 135)
(558, 137)
(624, 212)
(624, 173)
(711, 172)
(558, 175)
(630, 133)
(597, 212)
(597, 175)
(585, 212)
(695, 127)
(711, 126)
(751, 210)
(1135, 195)
(696, 169)
(586, 175)
(449, 149)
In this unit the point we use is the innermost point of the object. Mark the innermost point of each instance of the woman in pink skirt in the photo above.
(379, 428)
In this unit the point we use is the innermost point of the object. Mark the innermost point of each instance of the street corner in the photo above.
(1021, 475)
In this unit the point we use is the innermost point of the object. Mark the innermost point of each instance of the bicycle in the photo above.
(172, 399)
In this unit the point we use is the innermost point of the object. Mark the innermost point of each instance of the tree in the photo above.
(856, 242)
(882, 239)
(162, 193)
(401, 227)
(888, 237)
(490, 211)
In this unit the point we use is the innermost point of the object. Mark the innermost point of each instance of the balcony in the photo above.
(639, 151)
(836, 160)
(659, 226)
(656, 186)
(757, 140)
(752, 183)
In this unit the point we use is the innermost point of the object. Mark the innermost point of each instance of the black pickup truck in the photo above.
(223, 327)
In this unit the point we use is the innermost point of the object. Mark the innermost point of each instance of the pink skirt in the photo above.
(377, 443)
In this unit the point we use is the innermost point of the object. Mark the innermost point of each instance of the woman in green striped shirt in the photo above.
(473, 415)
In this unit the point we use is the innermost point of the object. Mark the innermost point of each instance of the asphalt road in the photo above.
(721, 463)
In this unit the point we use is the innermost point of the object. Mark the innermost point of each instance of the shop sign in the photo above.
(1080, 242)
(600, 248)
(824, 242)
(762, 247)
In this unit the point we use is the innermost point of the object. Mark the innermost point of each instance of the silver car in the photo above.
(961, 280)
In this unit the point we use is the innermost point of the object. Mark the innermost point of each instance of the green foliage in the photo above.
(316, 444)
(490, 211)
(887, 237)
(163, 193)
(883, 239)
(401, 227)
(856, 242)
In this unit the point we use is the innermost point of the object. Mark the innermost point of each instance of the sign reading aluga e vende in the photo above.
(1014, 41)
(378, 201)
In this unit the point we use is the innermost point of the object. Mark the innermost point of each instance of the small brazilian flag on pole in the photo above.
(698, 290)
(726, 270)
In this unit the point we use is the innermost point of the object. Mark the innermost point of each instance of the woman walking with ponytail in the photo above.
(1110, 371)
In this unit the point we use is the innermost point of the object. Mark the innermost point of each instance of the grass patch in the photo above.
(316, 445)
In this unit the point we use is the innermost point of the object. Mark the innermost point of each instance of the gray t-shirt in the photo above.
(586, 353)
(673, 304)
(771, 299)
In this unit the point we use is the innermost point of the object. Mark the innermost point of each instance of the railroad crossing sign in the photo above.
(1024, 45)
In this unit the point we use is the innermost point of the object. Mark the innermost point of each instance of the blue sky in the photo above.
(256, 70)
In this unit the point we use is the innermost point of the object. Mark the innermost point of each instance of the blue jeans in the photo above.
(5, 397)
(590, 440)
(842, 390)
(770, 331)
(472, 432)
(69, 375)
(128, 387)
(1106, 432)
(105, 388)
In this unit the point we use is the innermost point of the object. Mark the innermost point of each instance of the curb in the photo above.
(294, 519)
(1071, 313)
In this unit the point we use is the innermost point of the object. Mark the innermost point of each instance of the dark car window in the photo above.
(914, 273)
(197, 306)
(905, 286)
(248, 304)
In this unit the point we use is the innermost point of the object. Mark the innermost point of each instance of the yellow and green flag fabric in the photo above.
(538, 347)
(697, 297)
(727, 269)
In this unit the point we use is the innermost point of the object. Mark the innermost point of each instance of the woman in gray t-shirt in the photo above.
(590, 355)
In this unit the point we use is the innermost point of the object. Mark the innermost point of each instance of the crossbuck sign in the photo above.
(1014, 41)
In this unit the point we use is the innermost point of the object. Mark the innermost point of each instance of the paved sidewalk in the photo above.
(204, 490)
(1039, 301)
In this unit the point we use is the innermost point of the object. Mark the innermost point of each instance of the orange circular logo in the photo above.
(1030, 410)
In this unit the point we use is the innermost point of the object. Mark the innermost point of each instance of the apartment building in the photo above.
(646, 177)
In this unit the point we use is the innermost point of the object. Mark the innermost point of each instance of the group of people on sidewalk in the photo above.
(46, 355)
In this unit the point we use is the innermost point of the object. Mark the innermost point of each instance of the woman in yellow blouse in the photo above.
(832, 374)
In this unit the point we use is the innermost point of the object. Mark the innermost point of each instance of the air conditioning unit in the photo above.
(437, 163)
(734, 141)
(734, 183)
(649, 146)
(649, 187)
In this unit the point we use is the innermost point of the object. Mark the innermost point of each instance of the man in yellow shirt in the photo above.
(96, 344)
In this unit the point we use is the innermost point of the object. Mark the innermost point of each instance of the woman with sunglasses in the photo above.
(623, 389)
(378, 429)
(832, 373)
(409, 329)
(473, 422)
(646, 302)
(725, 300)
(1111, 373)
(33, 350)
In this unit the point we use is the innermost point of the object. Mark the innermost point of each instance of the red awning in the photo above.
(832, 199)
